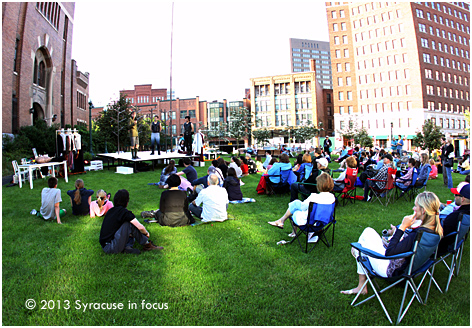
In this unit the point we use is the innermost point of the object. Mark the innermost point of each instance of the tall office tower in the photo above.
(301, 51)
(397, 64)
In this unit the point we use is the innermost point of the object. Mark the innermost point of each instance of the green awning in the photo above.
(382, 137)
(411, 136)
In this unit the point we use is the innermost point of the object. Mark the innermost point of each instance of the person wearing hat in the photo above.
(449, 224)
(382, 174)
(310, 186)
(173, 206)
(188, 131)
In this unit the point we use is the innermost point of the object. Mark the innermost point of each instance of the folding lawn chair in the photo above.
(420, 264)
(387, 190)
(282, 187)
(348, 194)
(320, 218)
(416, 189)
(408, 191)
(454, 250)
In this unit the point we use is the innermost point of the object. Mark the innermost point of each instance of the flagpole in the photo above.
(171, 39)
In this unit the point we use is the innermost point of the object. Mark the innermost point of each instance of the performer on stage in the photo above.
(134, 137)
(188, 131)
(156, 135)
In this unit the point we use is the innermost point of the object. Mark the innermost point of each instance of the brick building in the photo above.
(397, 64)
(39, 78)
(154, 101)
(290, 100)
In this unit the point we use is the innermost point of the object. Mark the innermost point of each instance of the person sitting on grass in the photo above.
(173, 206)
(120, 229)
(221, 164)
(259, 165)
(189, 170)
(204, 180)
(271, 163)
(215, 202)
(426, 211)
(434, 170)
(80, 198)
(100, 206)
(298, 210)
(50, 200)
(244, 166)
(166, 172)
(236, 164)
(268, 158)
(232, 186)
(252, 167)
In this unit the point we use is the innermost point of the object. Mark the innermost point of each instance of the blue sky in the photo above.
(217, 46)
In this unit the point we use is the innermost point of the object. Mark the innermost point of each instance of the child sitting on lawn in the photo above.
(100, 206)
(80, 198)
(50, 199)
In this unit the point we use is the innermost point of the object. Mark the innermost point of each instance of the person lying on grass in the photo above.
(50, 200)
(100, 206)
(80, 198)
(173, 206)
(120, 229)
(298, 210)
(426, 210)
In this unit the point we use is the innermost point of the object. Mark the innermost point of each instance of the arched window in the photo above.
(42, 74)
(35, 72)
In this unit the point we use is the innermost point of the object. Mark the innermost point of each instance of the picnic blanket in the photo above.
(244, 200)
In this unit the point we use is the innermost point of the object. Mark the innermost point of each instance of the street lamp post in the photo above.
(391, 132)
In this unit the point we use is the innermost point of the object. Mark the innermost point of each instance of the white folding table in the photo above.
(31, 167)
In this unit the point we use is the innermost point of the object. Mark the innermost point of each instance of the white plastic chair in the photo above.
(21, 175)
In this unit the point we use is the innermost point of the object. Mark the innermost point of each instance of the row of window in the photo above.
(449, 123)
(190, 113)
(442, 33)
(311, 56)
(447, 107)
(299, 60)
(384, 76)
(446, 62)
(379, 62)
(376, 33)
(322, 52)
(380, 46)
(444, 48)
(451, 78)
(447, 22)
(447, 92)
(448, 10)
(370, 20)
(283, 88)
(51, 11)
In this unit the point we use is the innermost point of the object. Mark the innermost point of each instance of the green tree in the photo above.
(467, 119)
(305, 132)
(362, 138)
(240, 125)
(113, 124)
(429, 138)
(262, 136)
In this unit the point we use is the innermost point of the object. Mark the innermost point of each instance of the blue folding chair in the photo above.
(283, 186)
(420, 264)
(417, 189)
(454, 250)
(320, 218)
(408, 191)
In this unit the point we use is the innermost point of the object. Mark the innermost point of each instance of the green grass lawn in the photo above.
(229, 273)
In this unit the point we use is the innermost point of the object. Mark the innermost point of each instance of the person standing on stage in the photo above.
(134, 137)
(188, 131)
(156, 135)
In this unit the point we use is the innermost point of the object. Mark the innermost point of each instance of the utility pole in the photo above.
(171, 39)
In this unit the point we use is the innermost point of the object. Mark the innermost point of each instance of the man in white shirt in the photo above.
(267, 159)
(215, 202)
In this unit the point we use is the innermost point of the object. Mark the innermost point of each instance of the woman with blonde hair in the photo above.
(299, 210)
(80, 198)
(305, 168)
(100, 206)
(425, 218)
(434, 169)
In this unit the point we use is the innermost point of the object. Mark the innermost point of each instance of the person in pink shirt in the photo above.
(434, 170)
(100, 206)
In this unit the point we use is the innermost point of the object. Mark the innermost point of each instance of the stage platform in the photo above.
(144, 156)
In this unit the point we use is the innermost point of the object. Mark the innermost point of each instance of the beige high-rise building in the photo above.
(397, 64)
(291, 100)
